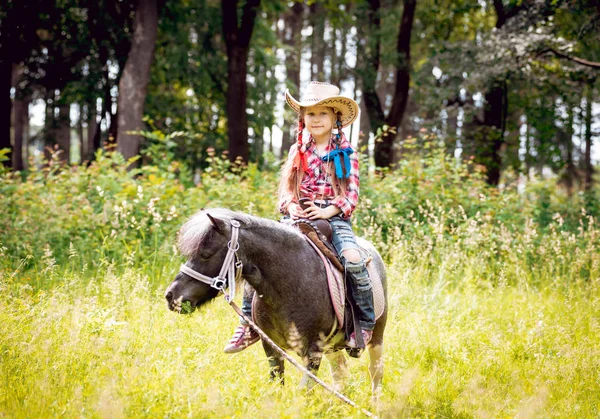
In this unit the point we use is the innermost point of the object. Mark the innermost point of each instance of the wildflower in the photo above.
(172, 213)
(154, 211)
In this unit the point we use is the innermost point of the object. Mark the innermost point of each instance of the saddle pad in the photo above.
(335, 281)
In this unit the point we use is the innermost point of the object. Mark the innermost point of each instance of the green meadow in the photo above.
(493, 297)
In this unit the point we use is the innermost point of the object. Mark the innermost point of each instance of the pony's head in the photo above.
(203, 241)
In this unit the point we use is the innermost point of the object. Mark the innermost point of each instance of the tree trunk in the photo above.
(49, 126)
(451, 137)
(80, 137)
(134, 80)
(237, 93)
(496, 108)
(570, 174)
(237, 40)
(20, 131)
(292, 38)
(6, 70)
(384, 148)
(317, 58)
(92, 128)
(406, 130)
(63, 132)
(588, 167)
(339, 70)
(372, 44)
(365, 127)
(494, 118)
(20, 116)
(529, 161)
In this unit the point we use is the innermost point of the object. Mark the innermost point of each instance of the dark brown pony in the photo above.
(292, 303)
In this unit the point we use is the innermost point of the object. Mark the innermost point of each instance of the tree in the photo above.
(134, 81)
(377, 117)
(18, 23)
(291, 38)
(237, 41)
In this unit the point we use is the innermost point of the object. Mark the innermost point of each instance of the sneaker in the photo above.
(243, 337)
(366, 335)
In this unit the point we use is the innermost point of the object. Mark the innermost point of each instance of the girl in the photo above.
(322, 170)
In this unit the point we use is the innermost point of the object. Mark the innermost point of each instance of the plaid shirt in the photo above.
(317, 183)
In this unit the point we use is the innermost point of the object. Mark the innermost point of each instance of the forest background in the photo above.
(120, 119)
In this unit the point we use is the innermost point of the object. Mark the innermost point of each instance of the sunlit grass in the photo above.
(493, 293)
(108, 347)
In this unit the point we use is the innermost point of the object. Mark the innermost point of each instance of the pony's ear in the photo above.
(218, 224)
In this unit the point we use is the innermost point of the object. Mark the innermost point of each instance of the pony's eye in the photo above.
(205, 255)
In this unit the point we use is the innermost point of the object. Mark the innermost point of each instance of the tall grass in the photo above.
(493, 297)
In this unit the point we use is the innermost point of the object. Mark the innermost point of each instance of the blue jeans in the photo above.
(343, 238)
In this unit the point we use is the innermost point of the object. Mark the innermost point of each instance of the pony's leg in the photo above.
(312, 363)
(339, 368)
(376, 368)
(276, 365)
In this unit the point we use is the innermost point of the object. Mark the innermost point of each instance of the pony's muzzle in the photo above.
(174, 304)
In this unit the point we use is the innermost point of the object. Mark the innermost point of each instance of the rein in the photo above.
(230, 272)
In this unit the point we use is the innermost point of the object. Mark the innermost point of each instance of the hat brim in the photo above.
(346, 106)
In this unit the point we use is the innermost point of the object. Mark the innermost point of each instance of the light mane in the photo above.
(199, 226)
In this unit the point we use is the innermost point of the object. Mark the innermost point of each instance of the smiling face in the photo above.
(319, 121)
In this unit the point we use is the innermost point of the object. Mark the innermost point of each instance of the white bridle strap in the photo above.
(230, 271)
(196, 275)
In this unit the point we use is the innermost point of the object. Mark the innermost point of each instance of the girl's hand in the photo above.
(314, 212)
(295, 211)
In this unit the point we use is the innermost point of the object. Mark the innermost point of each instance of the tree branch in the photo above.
(592, 64)
(248, 19)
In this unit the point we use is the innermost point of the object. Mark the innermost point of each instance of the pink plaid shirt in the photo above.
(317, 183)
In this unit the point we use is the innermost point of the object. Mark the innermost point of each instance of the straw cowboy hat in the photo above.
(325, 94)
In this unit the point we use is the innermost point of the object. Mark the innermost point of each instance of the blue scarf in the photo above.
(336, 155)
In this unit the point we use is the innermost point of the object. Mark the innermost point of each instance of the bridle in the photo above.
(231, 269)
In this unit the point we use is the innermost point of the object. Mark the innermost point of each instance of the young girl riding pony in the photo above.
(322, 170)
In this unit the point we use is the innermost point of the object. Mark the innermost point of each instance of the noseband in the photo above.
(230, 270)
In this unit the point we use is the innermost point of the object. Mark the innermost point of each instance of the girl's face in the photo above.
(319, 121)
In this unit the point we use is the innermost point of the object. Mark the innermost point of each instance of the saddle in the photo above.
(320, 233)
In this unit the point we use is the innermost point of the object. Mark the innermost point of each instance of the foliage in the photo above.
(102, 213)
(492, 296)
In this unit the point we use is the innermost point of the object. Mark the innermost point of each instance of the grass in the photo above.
(108, 347)
(494, 299)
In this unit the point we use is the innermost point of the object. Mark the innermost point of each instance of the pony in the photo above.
(292, 303)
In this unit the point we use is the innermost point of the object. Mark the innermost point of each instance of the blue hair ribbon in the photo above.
(337, 155)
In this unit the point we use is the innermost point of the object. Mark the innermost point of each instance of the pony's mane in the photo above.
(199, 226)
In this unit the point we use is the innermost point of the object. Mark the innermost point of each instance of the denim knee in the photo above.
(359, 272)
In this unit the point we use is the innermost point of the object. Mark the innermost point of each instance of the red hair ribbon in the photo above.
(300, 157)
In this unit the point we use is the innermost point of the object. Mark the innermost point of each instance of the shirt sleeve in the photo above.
(348, 203)
(286, 196)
